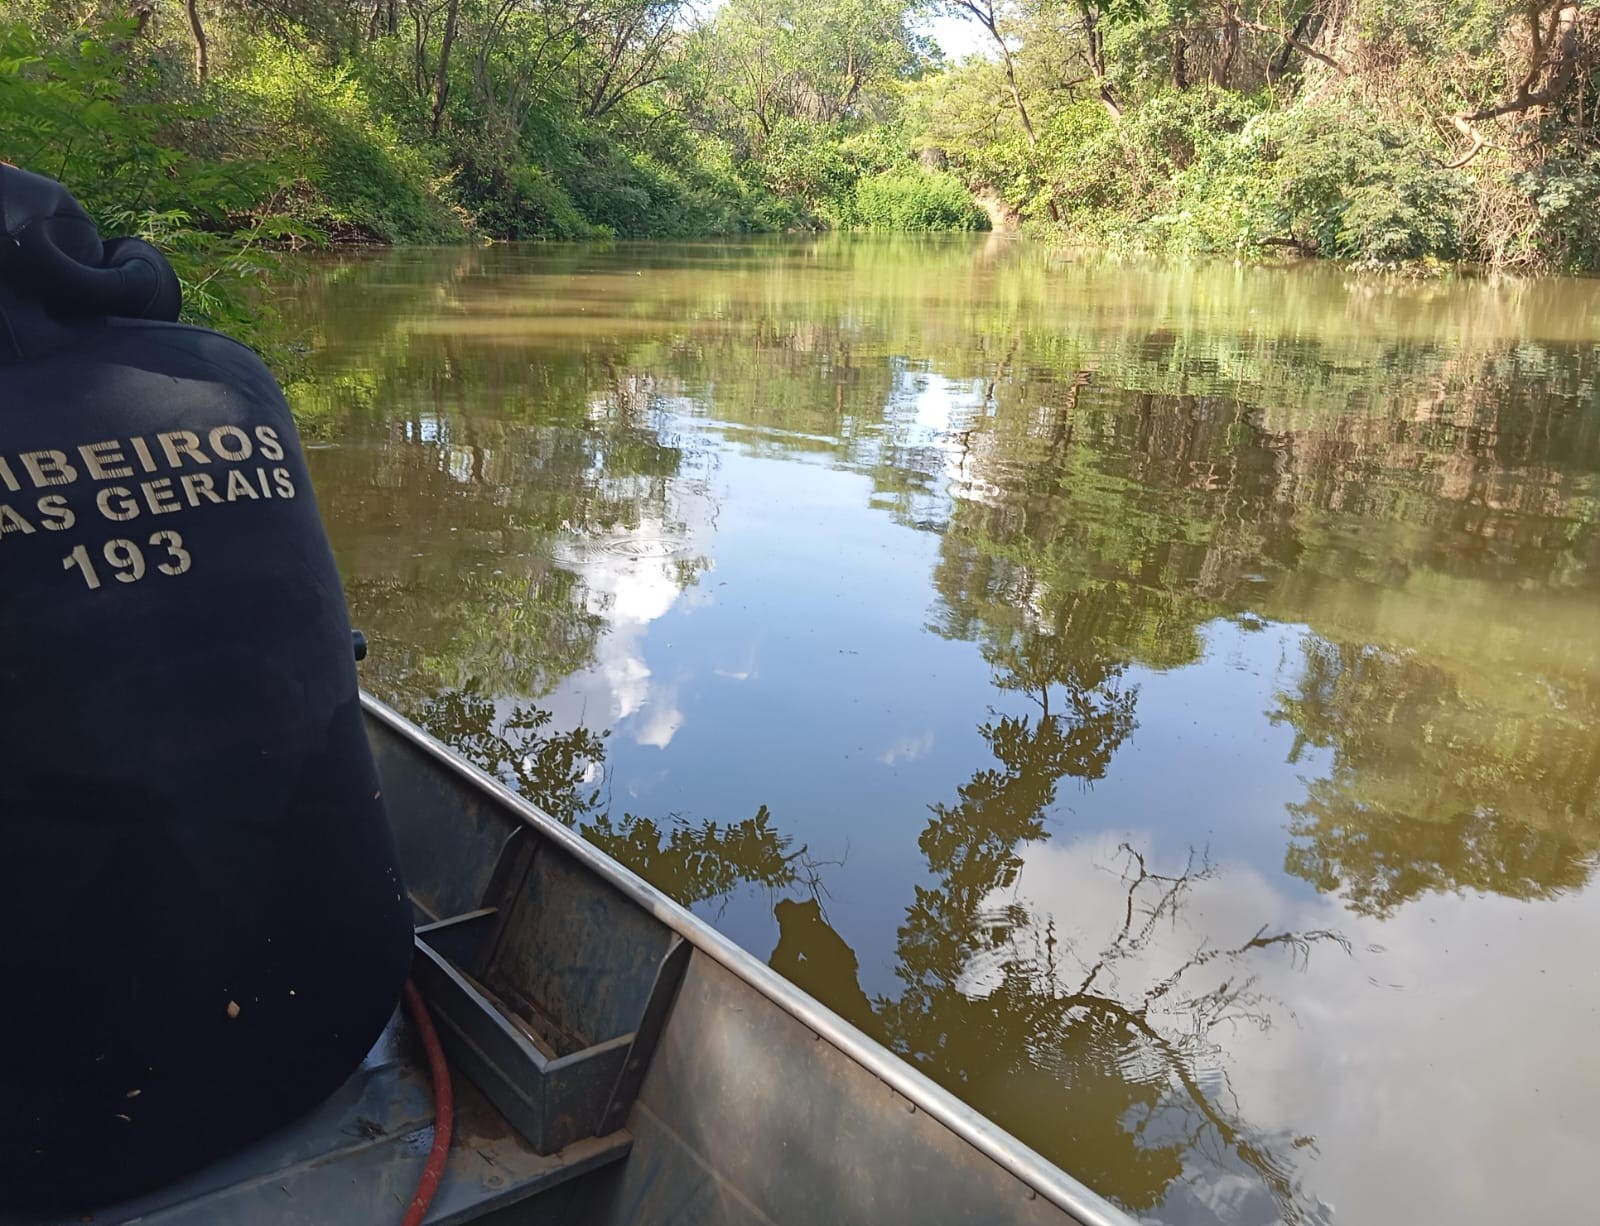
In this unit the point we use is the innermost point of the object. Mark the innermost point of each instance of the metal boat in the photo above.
(616, 1061)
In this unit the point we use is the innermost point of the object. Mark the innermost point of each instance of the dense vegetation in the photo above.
(1385, 132)
(1379, 131)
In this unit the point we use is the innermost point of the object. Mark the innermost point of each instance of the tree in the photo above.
(1429, 793)
(441, 83)
(626, 49)
(991, 15)
(197, 30)
(1073, 1062)
(557, 770)
(1551, 63)
(816, 63)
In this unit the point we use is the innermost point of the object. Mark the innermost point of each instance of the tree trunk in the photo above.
(1027, 123)
(441, 85)
(1303, 34)
(202, 59)
(419, 54)
(1016, 97)
(1095, 43)
(986, 15)
(1222, 69)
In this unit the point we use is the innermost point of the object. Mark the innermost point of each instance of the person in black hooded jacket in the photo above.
(202, 923)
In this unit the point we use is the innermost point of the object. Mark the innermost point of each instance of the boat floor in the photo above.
(363, 1149)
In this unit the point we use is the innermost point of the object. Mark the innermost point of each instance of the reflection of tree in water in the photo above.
(1126, 523)
(1430, 790)
(1060, 1043)
(1118, 491)
(691, 861)
(1100, 1064)
(1120, 1083)
(450, 522)
(1103, 1058)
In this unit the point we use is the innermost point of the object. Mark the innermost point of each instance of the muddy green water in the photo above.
(1161, 702)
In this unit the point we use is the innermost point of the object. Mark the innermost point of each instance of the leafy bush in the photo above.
(1083, 170)
(1564, 190)
(81, 110)
(803, 162)
(521, 201)
(915, 200)
(1211, 170)
(1223, 201)
(355, 175)
(1346, 185)
(1177, 129)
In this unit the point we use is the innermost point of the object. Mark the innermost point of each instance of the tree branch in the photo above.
(1527, 98)
(1558, 40)
(1292, 40)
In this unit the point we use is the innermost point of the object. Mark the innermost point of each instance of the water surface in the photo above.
(1161, 702)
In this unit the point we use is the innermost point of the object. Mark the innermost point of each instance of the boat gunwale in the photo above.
(1025, 1163)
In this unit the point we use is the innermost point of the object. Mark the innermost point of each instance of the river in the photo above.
(1160, 701)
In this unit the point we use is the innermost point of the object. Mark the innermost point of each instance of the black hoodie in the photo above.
(202, 925)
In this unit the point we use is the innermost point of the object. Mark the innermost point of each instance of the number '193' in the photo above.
(127, 561)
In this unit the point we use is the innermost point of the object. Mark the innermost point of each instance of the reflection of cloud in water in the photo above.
(1426, 1098)
(745, 670)
(633, 578)
(907, 749)
(630, 593)
(661, 719)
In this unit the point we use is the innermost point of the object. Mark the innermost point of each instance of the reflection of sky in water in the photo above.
(801, 647)
(768, 635)
(1445, 1039)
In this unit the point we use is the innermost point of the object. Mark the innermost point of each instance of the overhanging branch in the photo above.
(1303, 47)
(1553, 46)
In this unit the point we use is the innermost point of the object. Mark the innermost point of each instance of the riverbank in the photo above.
(229, 134)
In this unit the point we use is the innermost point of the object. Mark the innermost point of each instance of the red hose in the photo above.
(444, 1109)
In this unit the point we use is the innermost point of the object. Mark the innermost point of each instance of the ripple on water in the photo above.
(591, 550)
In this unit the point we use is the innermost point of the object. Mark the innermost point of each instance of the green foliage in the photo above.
(1351, 187)
(521, 201)
(83, 110)
(640, 195)
(355, 174)
(913, 201)
(1381, 133)
(802, 161)
(828, 62)
(1084, 156)
(1564, 190)
(1156, 123)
